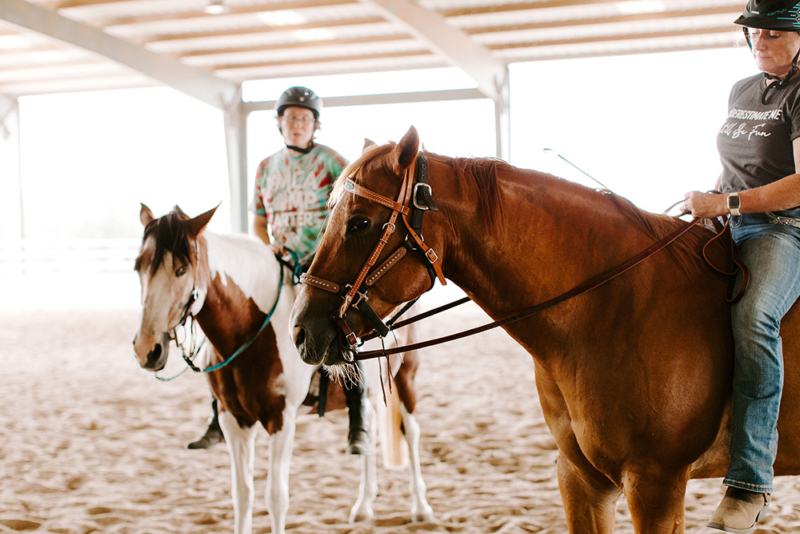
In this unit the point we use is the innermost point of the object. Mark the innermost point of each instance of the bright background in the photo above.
(644, 125)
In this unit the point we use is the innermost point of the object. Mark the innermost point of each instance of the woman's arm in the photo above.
(779, 195)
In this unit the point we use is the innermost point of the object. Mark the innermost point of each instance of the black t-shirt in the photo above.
(755, 143)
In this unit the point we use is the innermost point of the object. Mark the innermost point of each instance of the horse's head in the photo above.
(348, 255)
(172, 284)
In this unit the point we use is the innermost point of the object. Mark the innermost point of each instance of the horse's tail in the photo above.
(393, 441)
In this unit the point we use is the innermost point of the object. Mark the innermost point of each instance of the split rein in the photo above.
(194, 351)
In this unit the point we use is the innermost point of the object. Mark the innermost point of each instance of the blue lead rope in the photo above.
(241, 349)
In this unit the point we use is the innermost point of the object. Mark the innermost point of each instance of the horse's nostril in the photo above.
(299, 336)
(154, 355)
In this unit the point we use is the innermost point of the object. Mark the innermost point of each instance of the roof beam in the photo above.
(195, 82)
(490, 73)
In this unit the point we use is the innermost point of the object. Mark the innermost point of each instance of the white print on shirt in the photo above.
(734, 131)
(745, 115)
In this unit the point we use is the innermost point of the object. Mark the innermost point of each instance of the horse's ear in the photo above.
(194, 227)
(368, 143)
(145, 215)
(406, 151)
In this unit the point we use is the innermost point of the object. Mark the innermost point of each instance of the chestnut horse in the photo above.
(230, 284)
(634, 376)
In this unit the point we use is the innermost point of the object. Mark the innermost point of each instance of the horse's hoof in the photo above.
(425, 515)
(357, 516)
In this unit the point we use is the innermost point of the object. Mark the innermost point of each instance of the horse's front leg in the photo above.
(656, 499)
(420, 509)
(589, 499)
(368, 488)
(241, 446)
(280, 459)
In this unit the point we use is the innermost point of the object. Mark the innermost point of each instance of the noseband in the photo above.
(413, 201)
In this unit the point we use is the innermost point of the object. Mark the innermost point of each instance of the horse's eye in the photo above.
(180, 271)
(357, 225)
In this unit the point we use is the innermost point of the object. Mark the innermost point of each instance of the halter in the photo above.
(414, 191)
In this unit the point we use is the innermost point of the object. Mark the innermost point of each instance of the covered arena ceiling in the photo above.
(49, 46)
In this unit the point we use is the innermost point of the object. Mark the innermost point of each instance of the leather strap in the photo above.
(357, 190)
(532, 310)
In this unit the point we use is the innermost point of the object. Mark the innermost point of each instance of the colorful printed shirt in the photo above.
(292, 193)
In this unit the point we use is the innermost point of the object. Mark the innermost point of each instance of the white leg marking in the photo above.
(281, 445)
(241, 446)
(420, 509)
(368, 488)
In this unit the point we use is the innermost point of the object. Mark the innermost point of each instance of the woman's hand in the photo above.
(277, 249)
(705, 205)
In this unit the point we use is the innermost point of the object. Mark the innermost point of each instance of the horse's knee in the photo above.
(589, 499)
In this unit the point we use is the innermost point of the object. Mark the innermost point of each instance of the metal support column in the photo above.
(12, 226)
(235, 119)
(502, 119)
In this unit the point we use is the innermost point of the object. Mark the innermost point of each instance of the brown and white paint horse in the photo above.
(229, 284)
(634, 377)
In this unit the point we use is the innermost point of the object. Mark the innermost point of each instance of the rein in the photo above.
(193, 353)
(580, 289)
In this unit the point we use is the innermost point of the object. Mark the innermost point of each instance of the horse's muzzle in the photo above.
(157, 356)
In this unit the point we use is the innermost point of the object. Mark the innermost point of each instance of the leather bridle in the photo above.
(413, 200)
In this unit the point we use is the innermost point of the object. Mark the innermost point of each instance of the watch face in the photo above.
(733, 201)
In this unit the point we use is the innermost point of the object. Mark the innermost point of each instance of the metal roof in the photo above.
(51, 46)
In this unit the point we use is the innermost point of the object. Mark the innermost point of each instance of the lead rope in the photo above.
(240, 350)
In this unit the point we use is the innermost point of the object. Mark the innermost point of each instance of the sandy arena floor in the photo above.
(89, 442)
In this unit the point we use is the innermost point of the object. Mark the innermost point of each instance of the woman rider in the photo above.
(760, 181)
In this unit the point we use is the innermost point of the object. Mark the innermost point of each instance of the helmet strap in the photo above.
(780, 83)
(306, 150)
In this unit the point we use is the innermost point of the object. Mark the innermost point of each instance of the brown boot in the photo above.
(740, 510)
(213, 434)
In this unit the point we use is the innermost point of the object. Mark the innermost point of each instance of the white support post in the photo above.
(235, 119)
(12, 227)
(502, 120)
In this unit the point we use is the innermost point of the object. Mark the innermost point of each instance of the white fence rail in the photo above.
(68, 255)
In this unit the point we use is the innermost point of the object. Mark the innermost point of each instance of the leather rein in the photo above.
(401, 207)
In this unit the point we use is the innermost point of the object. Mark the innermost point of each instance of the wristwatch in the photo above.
(734, 203)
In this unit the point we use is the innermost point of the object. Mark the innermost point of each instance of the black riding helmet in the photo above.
(301, 97)
(777, 15)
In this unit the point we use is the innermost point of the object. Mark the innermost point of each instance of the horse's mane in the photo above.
(479, 171)
(169, 236)
(656, 226)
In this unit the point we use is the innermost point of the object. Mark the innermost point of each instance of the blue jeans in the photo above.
(772, 254)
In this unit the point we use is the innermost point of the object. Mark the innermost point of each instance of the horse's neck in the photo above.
(552, 235)
(242, 278)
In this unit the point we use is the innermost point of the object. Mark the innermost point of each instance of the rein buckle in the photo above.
(426, 195)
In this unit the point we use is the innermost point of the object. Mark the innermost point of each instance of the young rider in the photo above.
(290, 203)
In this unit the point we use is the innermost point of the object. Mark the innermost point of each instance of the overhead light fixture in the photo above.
(215, 7)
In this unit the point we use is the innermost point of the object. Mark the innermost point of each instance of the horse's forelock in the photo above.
(168, 236)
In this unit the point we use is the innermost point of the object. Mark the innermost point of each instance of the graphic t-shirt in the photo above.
(292, 193)
(755, 143)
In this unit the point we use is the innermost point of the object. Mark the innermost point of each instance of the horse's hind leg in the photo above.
(420, 509)
(405, 381)
(656, 500)
(589, 500)
(241, 446)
